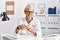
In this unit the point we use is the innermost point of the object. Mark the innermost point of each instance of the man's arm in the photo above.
(38, 29)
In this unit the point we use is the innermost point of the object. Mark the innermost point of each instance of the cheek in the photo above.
(31, 14)
(27, 15)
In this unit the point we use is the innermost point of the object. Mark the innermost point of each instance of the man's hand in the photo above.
(23, 26)
(30, 28)
(20, 27)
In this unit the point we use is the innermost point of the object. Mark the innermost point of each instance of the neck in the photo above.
(28, 19)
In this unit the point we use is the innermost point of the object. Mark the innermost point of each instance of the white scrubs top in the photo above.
(35, 22)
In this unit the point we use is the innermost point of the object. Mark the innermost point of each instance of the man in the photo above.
(29, 24)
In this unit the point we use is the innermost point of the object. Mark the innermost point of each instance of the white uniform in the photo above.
(34, 22)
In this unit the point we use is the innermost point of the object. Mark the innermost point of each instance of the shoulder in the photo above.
(22, 19)
(35, 19)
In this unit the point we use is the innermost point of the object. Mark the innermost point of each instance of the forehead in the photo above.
(29, 9)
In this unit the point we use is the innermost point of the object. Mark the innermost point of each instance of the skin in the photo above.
(29, 13)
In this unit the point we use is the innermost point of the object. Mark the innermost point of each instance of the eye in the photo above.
(29, 11)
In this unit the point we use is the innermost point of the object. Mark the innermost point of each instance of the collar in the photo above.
(29, 21)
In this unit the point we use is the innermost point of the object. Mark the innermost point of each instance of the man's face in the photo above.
(29, 12)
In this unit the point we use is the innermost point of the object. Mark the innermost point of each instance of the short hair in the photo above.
(28, 6)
